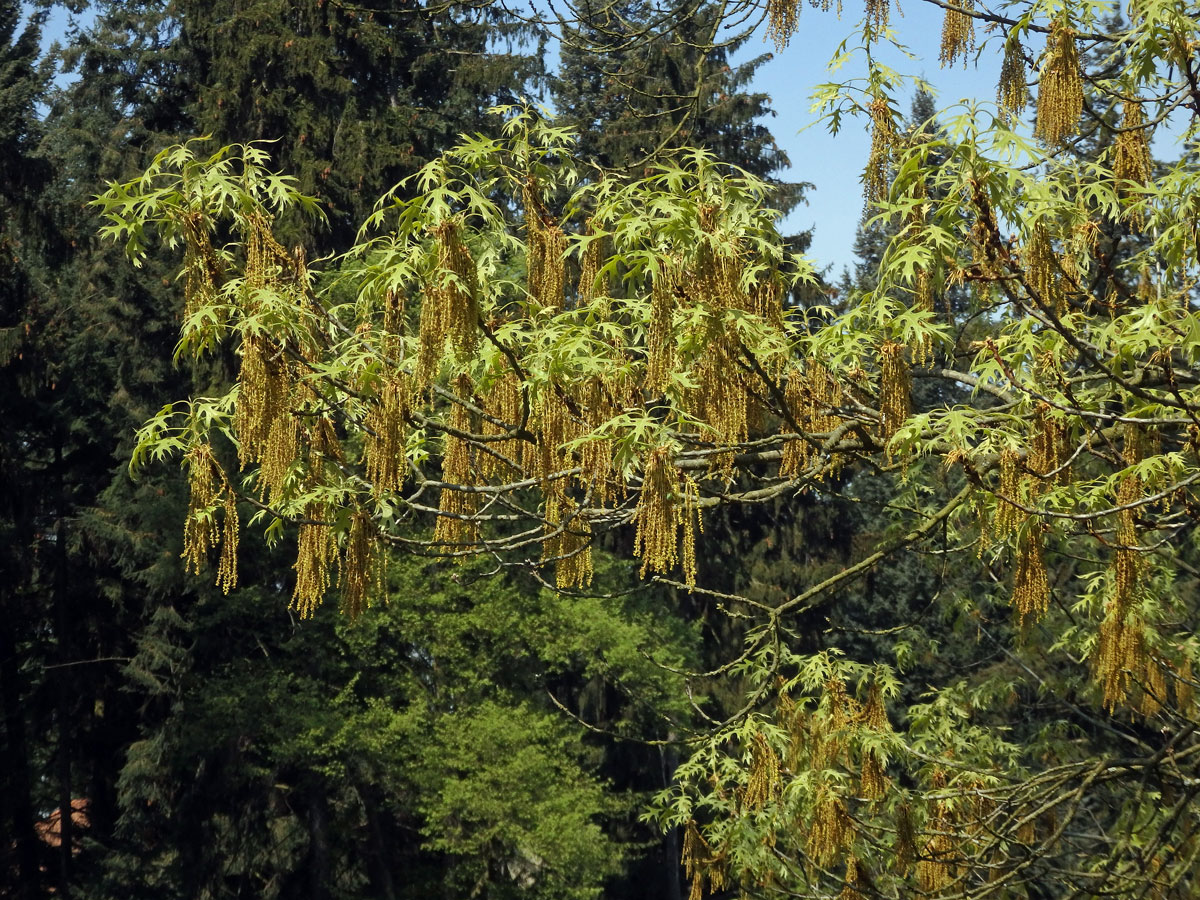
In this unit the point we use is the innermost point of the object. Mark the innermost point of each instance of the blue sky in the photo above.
(834, 163)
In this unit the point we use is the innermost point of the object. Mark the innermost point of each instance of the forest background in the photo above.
(507, 725)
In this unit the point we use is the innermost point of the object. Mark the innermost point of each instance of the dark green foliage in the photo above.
(413, 752)
(356, 98)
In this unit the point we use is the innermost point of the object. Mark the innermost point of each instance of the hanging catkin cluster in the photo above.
(264, 395)
(935, 867)
(202, 267)
(315, 555)
(782, 16)
(720, 398)
(1121, 654)
(762, 783)
(665, 509)
(1009, 517)
(497, 461)
(450, 311)
(831, 831)
(1042, 269)
(879, 12)
(1012, 94)
(1031, 592)
(883, 145)
(958, 33)
(1131, 158)
(895, 389)
(547, 273)
(384, 459)
(699, 860)
(598, 475)
(456, 508)
(361, 572)
(1060, 87)
(209, 490)
(812, 395)
(568, 543)
(1048, 450)
(590, 263)
(873, 782)
(660, 335)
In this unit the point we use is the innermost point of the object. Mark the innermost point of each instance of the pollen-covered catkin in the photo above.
(455, 523)
(895, 389)
(199, 528)
(660, 514)
(1060, 87)
(227, 568)
(782, 16)
(315, 554)
(660, 337)
(361, 572)
(1012, 94)
(1131, 158)
(1031, 592)
(958, 33)
(883, 145)
(384, 459)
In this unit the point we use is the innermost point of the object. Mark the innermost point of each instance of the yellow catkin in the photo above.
(850, 889)
(720, 399)
(782, 16)
(812, 396)
(873, 783)
(698, 859)
(456, 507)
(431, 336)
(1154, 688)
(1042, 268)
(883, 144)
(958, 33)
(202, 267)
(1131, 159)
(199, 528)
(227, 568)
(384, 461)
(1185, 690)
(1131, 153)
(1121, 651)
(1008, 516)
(874, 711)
(598, 474)
(762, 783)
(361, 570)
(895, 389)
(1060, 87)
(547, 275)
(879, 12)
(1012, 94)
(1031, 592)
(1048, 452)
(831, 830)
(571, 548)
(264, 392)
(315, 555)
(590, 263)
(660, 336)
(498, 461)
(279, 457)
(659, 514)
(459, 288)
